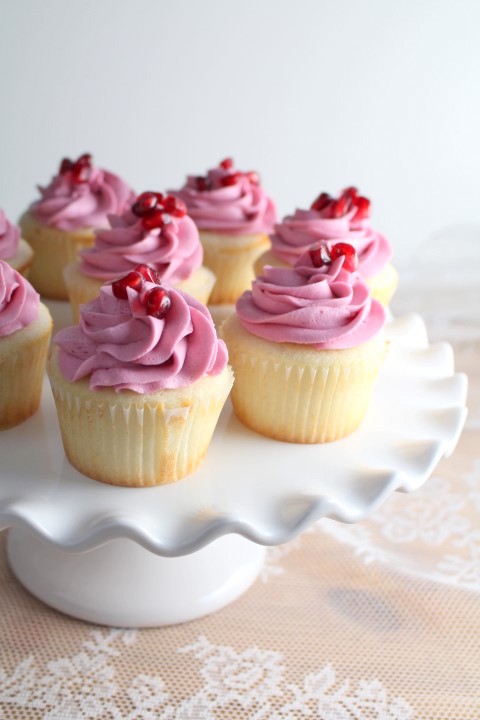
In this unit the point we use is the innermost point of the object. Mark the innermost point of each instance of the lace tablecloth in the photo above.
(374, 621)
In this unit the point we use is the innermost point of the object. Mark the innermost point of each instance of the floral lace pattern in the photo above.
(83, 687)
(442, 519)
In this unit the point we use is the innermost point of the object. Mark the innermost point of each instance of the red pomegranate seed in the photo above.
(201, 183)
(340, 207)
(85, 159)
(226, 164)
(157, 302)
(174, 206)
(148, 272)
(80, 172)
(363, 208)
(65, 166)
(321, 202)
(350, 262)
(231, 179)
(144, 203)
(253, 177)
(320, 255)
(132, 280)
(351, 192)
(155, 219)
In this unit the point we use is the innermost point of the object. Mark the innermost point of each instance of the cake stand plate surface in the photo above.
(154, 556)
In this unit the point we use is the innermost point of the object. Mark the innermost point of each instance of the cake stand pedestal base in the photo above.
(123, 585)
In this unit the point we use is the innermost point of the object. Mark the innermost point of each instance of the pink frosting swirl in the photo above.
(239, 208)
(297, 232)
(174, 250)
(19, 302)
(326, 308)
(118, 345)
(70, 205)
(9, 237)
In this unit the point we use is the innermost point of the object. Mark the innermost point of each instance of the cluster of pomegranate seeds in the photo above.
(156, 301)
(323, 255)
(203, 183)
(157, 210)
(79, 170)
(338, 207)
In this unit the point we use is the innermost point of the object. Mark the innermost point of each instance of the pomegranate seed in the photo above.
(148, 272)
(320, 255)
(351, 192)
(157, 302)
(322, 201)
(85, 159)
(231, 179)
(144, 203)
(65, 166)
(160, 197)
(350, 262)
(132, 280)
(174, 206)
(201, 183)
(253, 177)
(227, 164)
(154, 219)
(340, 206)
(80, 173)
(363, 208)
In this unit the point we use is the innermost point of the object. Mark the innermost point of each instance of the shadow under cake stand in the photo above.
(157, 556)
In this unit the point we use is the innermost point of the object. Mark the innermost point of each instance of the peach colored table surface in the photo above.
(374, 621)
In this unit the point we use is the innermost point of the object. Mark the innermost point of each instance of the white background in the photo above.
(313, 94)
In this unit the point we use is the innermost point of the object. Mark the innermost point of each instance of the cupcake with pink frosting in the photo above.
(13, 248)
(25, 330)
(331, 220)
(306, 345)
(62, 222)
(156, 231)
(139, 383)
(234, 216)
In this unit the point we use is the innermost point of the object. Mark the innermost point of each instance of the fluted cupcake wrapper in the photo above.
(296, 395)
(23, 357)
(53, 249)
(231, 258)
(138, 440)
(80, 288)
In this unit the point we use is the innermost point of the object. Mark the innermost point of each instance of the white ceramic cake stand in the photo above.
(155, 556)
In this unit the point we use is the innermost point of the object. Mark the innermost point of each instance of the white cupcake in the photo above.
(139, 384)
(306, 345)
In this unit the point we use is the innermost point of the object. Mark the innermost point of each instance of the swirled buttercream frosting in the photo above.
(19, 302)
(297, 232)
(174, 249)
(9, 237)
(80, 196)
(324, 307)
(229, 201)
(118, 345)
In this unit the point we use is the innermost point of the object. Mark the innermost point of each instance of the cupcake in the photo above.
(25, 330)
(139, 384)
(14, 249)
(306, 344)
(78, 199)
(331, 220)
(234, 217)
(155, 231)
